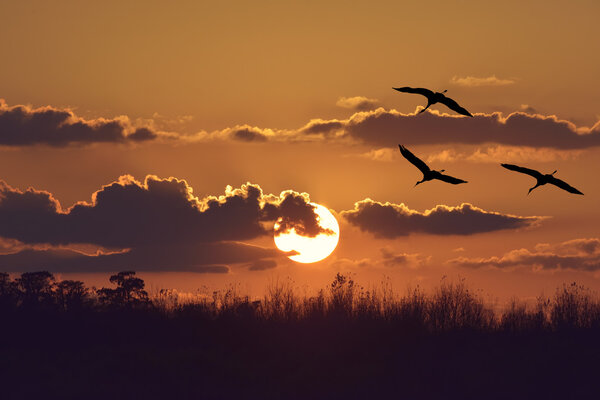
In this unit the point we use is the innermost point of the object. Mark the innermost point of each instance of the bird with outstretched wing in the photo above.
(542, 179)
(428, 173)
(435, 97)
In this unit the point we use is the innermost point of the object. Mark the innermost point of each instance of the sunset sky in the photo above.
(168, 139)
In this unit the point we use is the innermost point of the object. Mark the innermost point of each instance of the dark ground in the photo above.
(148, 356)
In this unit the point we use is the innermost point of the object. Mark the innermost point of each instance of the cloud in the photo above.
(388, 220)
(392, 259)
(295, 214)
(129, 213)
(472, 81)
(26, 126)
(577, 254)
(383, 128)
(148, 259)
(261, 265)
(319, 126)
(383, 155)
(499, 153)
(389, 259)
(248, 134)
(357, 103)
(155, 222)
(528, 109)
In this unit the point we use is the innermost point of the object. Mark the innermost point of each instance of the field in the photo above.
(62, 340)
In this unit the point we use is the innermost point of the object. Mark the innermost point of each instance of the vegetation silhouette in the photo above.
(543, 179)
(435, 97)
(428, 173)
(60, 339)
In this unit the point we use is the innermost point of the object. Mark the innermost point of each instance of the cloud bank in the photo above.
(26, 126)
(154, 223)
(386, 128)
(389, 221)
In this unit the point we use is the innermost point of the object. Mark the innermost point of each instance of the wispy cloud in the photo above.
(495, 154)
(357, 103)
(472, 81)
(383, 155)
(577, 254)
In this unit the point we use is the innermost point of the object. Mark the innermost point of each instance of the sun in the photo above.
(311, 249)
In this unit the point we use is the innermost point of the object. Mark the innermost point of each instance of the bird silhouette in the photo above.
(435, 97)
(428, 173)
(542, 179)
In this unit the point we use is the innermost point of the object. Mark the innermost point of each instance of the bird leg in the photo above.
(536, 185)
(428, 104)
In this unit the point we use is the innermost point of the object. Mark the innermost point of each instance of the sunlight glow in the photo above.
(311, 249)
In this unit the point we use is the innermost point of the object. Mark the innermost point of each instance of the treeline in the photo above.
(41, 291)
(451, 306)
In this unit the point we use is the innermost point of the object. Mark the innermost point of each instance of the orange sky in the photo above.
(190, 79)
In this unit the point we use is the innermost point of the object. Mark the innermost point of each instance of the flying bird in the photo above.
(428, 173)
(542, 179)
(435, 97)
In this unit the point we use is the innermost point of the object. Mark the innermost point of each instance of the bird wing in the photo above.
(564, 185)
(450, 179)
(523, 170)
(421, 91)
(453, 105)
(416, 161)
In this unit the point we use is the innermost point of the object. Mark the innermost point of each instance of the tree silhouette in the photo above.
(71, 295)
(7, 292)
(129, 292)
(36, 288)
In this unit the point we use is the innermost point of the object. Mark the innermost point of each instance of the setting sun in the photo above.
(311, 249)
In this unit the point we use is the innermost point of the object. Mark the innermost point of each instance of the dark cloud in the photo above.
(321, 126)
(201, 258)
(261, 265)
(142, 134)
(25, 126)
(248, 134)
(382, 127)
(577, 254)
(387, 128)
(128, 213)
(158, 223)
(295, 214)
(388, 220)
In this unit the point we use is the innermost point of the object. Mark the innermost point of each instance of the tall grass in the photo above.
(450, 306)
